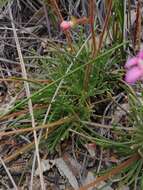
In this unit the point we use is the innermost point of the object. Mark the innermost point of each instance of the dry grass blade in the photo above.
(110, 174)
(18, 152)
(129, 14)
(125, 21)
(26, 148)
(47, 19)
(27, 89)
(108, 126)
(46, 126)
(9, 175)
(27, 80)
(22, 112)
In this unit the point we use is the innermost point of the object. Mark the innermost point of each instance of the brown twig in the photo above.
(111, 173)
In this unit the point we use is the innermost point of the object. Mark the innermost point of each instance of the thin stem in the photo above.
(47, 19)
(27, 89)
(9, 175)
(97, 125)
(137, 27)
(105, 25)
(49, 125)
(88, 68)
(17, 79)
(111, 173)
(91, 21)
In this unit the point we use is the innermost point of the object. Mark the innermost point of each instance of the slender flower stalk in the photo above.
(88, 69)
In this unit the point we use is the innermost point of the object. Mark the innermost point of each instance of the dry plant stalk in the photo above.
(137, 32)
(95, 50)
(105, 25)
(27, 89)
(129, 15)
(28, 147)
(91, 21)
(18, 152)
(88, 68)
(111, 173)
(13, 79)
(49, 126)
(22, 112)
(9, 174)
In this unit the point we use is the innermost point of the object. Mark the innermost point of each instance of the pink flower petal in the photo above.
(131, 62)
(140, 64)
(66, 25)
(133, 75)
(140, 54)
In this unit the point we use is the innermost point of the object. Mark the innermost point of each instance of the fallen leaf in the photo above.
(46, 165)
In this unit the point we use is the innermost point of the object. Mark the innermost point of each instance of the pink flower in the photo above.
(66, 25)
(140, 54)
(134, 67)
(131, 62)
(133, 75)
